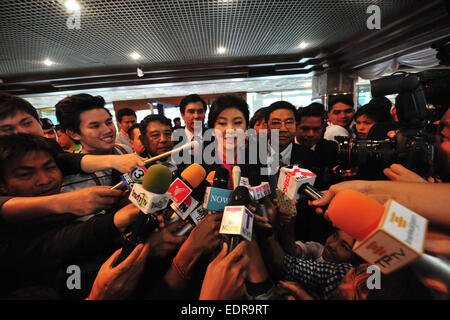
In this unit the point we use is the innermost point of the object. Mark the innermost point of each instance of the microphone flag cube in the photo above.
(290, 180)
(135, 176)
(216, 199)
(259, 192)
(397, 241)
(184, 208)
(197, 214)
(146, 201)
(237, 220)
(179, 191)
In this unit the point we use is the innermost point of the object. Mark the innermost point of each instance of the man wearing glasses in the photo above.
(156, 137)
(281, 116)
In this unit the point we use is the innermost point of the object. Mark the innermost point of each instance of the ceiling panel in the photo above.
(172, 32)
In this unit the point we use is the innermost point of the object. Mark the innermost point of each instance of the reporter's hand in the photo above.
(397, 172)
(285, 217)
(125, 217)
(163, 242)
(226, 274)
(124, 163)
(261, 222)
(291, 290)
(118, 282)
(205, 237)
(87, 200)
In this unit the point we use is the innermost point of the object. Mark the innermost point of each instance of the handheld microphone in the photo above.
(237, 220)
(128, 178)
(217, 196)
(190, 178)
(291, 179)
(259, 190)
(189, 208)
(236, 176)
(390, 236)
(149, 197)
(221, 178)
(210, 177)
(310, 192)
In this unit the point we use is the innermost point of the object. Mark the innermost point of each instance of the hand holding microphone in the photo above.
(136, 169)
(390, 236)
(237, 221)
(217, 196)
(150, 197)
(186, 194)
(226, 274)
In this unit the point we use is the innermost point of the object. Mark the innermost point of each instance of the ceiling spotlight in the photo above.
(48, 62)
(140, 72)
(303, 45)
(221, 50)
(135, 56)
(72, 5)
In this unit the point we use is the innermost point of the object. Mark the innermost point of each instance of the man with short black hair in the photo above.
(49, 129)
(125, 117)
(282, 115)
(340, 115)
(193, 109)
(177, 123)
(66, 143)
(18, 116)
(85, 119)
(311, 123)
(38, 252)
(156, 137)
(134, 133)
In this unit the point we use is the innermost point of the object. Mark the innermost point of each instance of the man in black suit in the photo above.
(310, 128)
(281, 115)
(193, 110)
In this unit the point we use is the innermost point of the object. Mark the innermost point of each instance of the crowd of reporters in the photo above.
(58, 208)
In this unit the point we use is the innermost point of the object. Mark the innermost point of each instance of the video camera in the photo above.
(413, 145)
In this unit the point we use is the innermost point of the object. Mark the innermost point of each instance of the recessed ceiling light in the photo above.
(48, 62)
(72, 5)
(221, 50)
(135, 55)
(303, 45)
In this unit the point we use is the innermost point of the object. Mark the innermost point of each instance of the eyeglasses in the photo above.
(276, 124)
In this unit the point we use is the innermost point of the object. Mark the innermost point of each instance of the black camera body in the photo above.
(413, 145)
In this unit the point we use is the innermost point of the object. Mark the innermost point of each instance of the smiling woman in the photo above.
(229, 114)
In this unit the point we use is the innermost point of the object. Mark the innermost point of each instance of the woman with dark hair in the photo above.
(229, 116)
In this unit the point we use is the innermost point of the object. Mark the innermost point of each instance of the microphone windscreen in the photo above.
(194, 174)
(254, 178)
(221, 178)
(210, 177)
(240, 196)
(157, 179)
(355, 213)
